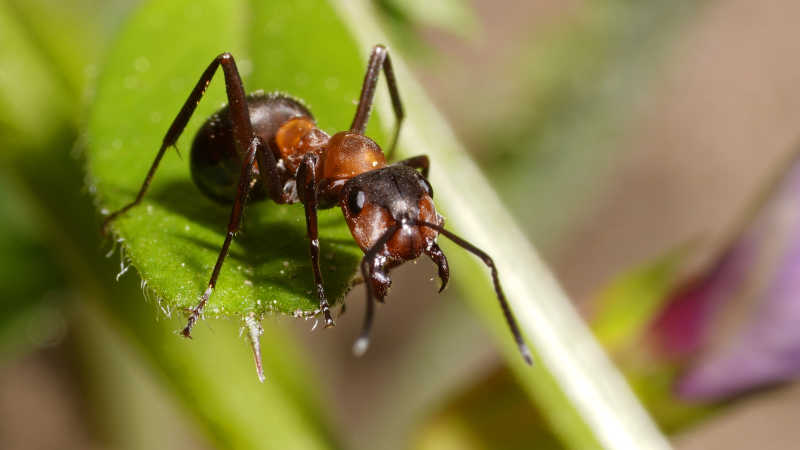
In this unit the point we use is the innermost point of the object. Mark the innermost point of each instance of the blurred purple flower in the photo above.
(737, 326)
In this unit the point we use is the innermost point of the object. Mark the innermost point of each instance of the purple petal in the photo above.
(759, 278)
(681, 328)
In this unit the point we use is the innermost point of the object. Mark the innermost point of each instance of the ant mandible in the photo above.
(271, 144)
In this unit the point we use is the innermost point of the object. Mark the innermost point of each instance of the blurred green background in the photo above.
(615, 131)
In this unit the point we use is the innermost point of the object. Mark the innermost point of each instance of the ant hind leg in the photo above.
(241, 124)
(234, 224)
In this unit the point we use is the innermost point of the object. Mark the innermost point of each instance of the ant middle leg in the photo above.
(379, 58)
(242, 129)
(307, 181)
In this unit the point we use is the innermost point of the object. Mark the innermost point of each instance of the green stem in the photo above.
(595, 390)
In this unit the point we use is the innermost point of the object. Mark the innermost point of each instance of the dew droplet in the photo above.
(130, 82)
(141, 64)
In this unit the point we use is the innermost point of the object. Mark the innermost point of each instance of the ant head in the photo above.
(375, 201)
(386, 205)
(392, 218)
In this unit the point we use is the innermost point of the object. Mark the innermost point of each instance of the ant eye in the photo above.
(355, 202)
(426, 186)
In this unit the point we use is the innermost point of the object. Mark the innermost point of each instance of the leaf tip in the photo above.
(254, 332)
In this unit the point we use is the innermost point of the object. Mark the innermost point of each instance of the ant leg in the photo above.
(378, 58)
(233, 227)
(367, 271)
(307, 190)
(512, 323)
(420, 162)
(362, 343)
(242, 129)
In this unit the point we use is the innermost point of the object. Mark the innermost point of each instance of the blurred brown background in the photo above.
(716, 120)
(720, 113)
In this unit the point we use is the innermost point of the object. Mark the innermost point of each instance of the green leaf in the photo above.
(476, 416)
(33, 104)
(174, 236)
(623, 312)
(625, 308)
(32, 282)
(71, 34)
(34, 112)
(213, 376)
(215, 380)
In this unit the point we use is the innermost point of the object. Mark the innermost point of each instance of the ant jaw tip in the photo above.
(360, 346)
(187, 333)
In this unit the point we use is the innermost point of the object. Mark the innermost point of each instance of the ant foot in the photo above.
(106, 224)
(104, 228)
(197, 311)
(328, 318)
(187, 331)
(360, 346)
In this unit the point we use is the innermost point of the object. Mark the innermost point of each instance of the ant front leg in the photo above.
(368, 273)
(307, 182)
(378, 58)
(234, 223)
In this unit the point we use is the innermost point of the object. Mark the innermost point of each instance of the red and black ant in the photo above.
(262, 146)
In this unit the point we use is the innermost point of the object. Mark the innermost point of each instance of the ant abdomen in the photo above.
(215, 162)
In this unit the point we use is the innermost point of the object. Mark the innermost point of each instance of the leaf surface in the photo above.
(173, 238)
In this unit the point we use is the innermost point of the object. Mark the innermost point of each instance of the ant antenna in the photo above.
(512, 324)
(362, 343)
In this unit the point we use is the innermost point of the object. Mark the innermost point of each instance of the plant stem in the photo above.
(593, 387)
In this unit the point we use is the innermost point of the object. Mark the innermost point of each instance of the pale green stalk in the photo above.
(562, 341)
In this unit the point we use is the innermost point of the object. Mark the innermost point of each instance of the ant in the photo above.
(268, 145)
